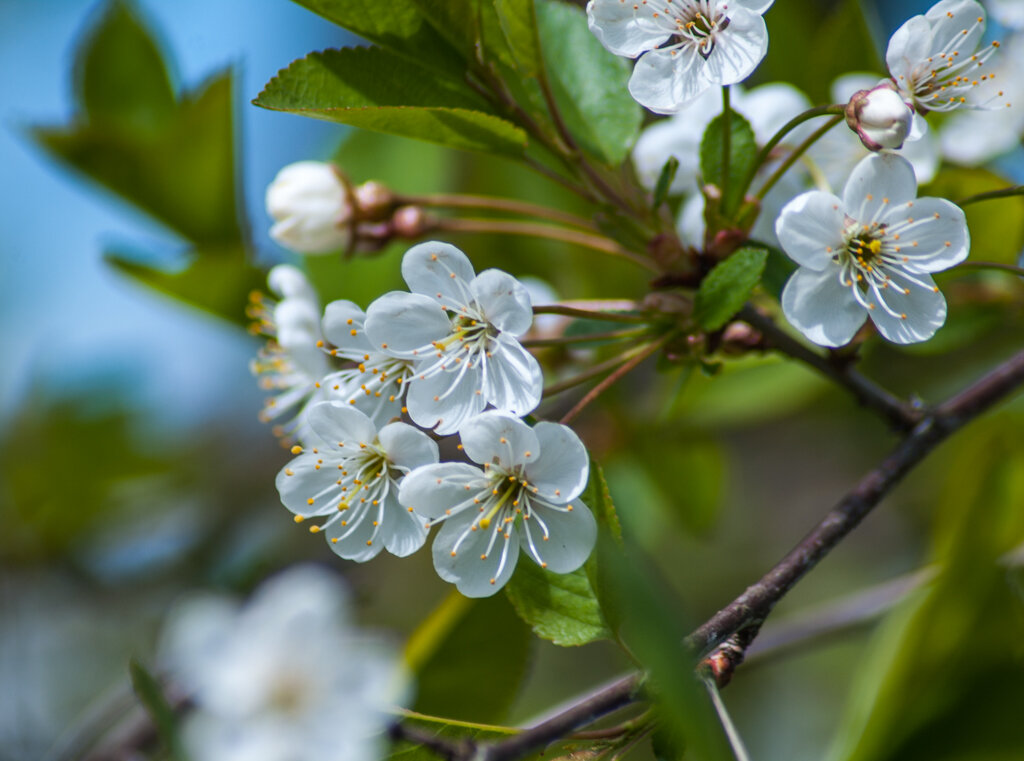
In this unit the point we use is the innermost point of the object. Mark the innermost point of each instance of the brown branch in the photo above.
(902, 416)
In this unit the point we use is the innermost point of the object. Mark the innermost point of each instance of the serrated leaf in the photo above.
(113, 95)
(588, 83)
(518, 19)
(742, 154)
(471, 27)
(398, 26)
(560, 607)
(727, 287)
(152, 697)
(458, 642)
(371, 88)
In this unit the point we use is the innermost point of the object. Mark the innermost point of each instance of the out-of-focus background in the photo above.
(133, 468)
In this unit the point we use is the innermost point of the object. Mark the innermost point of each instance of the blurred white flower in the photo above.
(710, 43)
(282, 678)
(350, 475)
(525, 496)
(1009, 13)
(459, 329)
(870, 254)
(310, 207)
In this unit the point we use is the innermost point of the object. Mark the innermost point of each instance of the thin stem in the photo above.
(739, 750)
(612, 335)
(726, 143)
(788, 127)
(796, 154)
(604, 385)
(588, 314)
(590, 373)
(991, 266)
(494, 203)
(900, 415)
(539, 230)
(1015, 190)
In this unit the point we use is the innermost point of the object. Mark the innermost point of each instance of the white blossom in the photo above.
(933, 62)
(310, 207)
(525, 496)
(683, 47)
(350, 477)
(459, 329)
(1009, 13)
(870, 254)
(264, 676)
(291, 364)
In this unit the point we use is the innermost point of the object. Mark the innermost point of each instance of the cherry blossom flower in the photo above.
(870, 254)
(350, 477)
(683, 47)
(291, 363)
(525, 496)
(933, 62)
(310, 207)
(263, 676)
(459, 330)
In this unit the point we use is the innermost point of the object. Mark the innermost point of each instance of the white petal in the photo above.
(572, 534)
(433, 490)
(339, 424)
(513, 382)
(407, 447)
(495, 437)
(879, 181)
(817, 305)
(664, 82)
(404, 323)
(402, 531)
(561, 471)
(438, 270)
(290, 282)
(624, 29)
(924, 307)
(504, 301)
(810, 229)
(446, 400)
(755, 6)
(768, 107)
(908, 46)
(341, 317)
(923, 154)
(677, 137)
(738, 50)
(301, 481)
(949, 19)
(845, 85)
(938, 238)
(298, 316)
(354, 532)
(475, 572)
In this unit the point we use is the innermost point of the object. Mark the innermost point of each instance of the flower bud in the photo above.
(309, 203)
(880, 117)
(374, 199)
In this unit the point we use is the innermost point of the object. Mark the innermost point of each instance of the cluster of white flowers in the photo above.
(285, 677)
(441, 354)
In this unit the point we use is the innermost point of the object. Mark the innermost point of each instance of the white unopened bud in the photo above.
(880, 117)
(310, 207)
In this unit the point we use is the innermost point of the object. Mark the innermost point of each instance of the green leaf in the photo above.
(460, 641)
(665, 177)
(588, 83)
(560, 607)
(121, 80)
(742, 155)
(518, 19)
(727, 287)
(599, 499)
(183, 174)
(218, 282)
(373, 89)
(777, 270)
(398, 26)
(152, 697)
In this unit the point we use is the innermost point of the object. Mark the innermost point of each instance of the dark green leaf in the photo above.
(151, 695)
(371, 88)
(218, 282)
(518, 19)
(742, 154)
(471, 27)
(459, 642)
(727, 287)
(121, 80)
(398, 26)
(777, 269)
(560, 607)
(588, 83)
(668, 173)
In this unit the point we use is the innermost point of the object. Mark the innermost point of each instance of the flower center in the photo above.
(698, 24)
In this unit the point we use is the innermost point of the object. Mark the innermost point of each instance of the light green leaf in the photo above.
(665, 177)
(398, 26)
(122, 82)
(727, 287)
(458, 642)
(518, 19)
(588, 83)
(560, 607)
(371, 88)
(742, 155)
